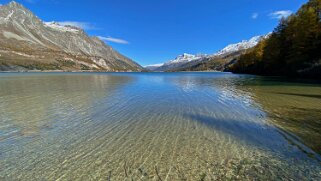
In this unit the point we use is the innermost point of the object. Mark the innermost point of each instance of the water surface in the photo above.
(158, 126)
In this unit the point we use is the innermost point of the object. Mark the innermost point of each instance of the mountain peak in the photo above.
(245, 44)
(14, 4)
(14, 11)
(185, 57)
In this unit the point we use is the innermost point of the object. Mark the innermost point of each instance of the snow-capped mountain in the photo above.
(184, 58)
(245, 44)
(188, 60)
(26, 42)
(178, 61)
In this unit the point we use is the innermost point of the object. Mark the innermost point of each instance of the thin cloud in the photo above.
(114, 40)
(82, 25)
(255, 15)
(280, 14)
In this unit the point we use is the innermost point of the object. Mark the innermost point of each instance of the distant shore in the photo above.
(58, 71)
(80, 71)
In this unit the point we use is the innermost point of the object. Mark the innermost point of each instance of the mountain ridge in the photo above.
(28, 43)
(185, 61)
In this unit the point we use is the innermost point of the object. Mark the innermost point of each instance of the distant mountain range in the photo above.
(216, 62)
(28, 43)
(175, 63)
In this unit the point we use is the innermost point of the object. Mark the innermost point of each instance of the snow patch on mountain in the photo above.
(58, 27)
(9, 16)
(245, 44)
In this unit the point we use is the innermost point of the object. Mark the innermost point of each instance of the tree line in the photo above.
(293, 49)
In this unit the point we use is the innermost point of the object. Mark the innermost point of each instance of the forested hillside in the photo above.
(293, 49)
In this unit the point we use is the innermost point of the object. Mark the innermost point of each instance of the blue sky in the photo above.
(154, 31)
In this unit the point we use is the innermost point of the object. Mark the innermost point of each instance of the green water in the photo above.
(158, 126)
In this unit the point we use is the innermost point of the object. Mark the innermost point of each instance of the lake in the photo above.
(158, 126)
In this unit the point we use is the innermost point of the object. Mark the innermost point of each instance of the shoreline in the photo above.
(89, 71)
(280, 77)
(63, 71)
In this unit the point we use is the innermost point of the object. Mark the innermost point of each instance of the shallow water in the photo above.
(158, 126)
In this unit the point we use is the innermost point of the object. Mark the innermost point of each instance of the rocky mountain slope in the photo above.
(217, 62)
(27, 43)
